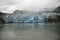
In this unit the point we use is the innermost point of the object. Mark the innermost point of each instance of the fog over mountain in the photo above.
(57, 10)
(8, 6)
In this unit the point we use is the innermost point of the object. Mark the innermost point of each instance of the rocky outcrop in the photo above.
(57, 10)
(2, 16)
(54, 18)
(57, 19)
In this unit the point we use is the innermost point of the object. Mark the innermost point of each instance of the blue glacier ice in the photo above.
(26, 19)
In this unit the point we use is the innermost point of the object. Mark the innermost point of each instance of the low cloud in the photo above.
(39, 5)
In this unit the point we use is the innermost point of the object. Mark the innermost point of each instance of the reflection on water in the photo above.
(27, 31)
(35, 27)
(1, 27)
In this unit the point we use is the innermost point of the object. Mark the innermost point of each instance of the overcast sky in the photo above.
(8, 6)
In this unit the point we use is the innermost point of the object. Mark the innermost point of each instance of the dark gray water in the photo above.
(28, 31)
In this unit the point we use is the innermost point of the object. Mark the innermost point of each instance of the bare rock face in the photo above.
(56, 17)
(2, 16)
(57, 10)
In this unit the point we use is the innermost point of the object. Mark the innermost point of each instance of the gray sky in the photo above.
(8, 6)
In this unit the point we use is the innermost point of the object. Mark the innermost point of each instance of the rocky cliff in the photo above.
(2, 16)
(57, 10)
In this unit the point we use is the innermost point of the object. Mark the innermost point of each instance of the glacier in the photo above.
(29, 17)
(34, 18)
(26, 19)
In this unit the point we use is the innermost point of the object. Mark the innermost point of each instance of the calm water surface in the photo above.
(28, 31)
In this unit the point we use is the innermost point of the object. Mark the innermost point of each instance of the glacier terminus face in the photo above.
(28, 17)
